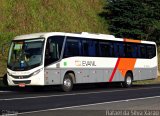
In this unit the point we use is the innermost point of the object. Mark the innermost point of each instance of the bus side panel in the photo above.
(117, 76)
(154, 72)
(145, 69)
(149, 73)
(101, 75)
(145, 73)
(92, 75)
(81, 75)
(52, 76)
(136, 74)
(85, 75)
(107, 74)
(96, 75)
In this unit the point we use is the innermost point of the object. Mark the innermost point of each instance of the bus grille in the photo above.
(21, 77)
(25, 82)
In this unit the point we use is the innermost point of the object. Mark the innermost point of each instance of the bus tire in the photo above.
(128, 80)
(67, 83)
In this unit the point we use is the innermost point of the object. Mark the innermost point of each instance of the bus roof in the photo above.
(82, 34)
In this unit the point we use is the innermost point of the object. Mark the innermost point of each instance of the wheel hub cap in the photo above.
(67, 83)
(129, 80)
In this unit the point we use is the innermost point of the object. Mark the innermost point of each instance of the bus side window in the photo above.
(97, 48)
(128, 51)
(72, 48)
(151, 51)
(54, 52)
(93, 48)
(141, 51)
(131, 50)
(134, 51)
(121, 50)
(112, 50)
(89, 48)
(53, 49)
(104, 49)
(118, 48)
(85, 47)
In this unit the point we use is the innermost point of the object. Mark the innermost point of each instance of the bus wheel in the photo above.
(67, 83)
(128, 80)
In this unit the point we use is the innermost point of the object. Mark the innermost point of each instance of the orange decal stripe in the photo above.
(132, 40)
(114, 70)
(126, 64)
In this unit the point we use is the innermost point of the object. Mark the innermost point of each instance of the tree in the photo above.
(134, 18)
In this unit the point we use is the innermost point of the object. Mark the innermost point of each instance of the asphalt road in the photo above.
(83, 100)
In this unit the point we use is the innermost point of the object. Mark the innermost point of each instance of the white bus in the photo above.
(65, 59)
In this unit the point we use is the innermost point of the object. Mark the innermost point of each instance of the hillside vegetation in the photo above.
(31, 16)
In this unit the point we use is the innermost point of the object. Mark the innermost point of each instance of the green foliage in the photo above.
(134, 18)
(30, 16)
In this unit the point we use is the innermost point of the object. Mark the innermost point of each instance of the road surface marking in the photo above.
(5, 91)
(72, 94)
(70, 107)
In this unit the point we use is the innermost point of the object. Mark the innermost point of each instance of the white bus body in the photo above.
(57, 58)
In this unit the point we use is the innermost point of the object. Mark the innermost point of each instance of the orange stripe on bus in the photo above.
(131, 40)
(126, 64)
(114, 70)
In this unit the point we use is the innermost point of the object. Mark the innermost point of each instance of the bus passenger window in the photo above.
(72, 48)
(129, 51)
(53, 49)
(112, 50)
(92, 48)
(104, 49)
(134, 51)
(96, 43)
(142, 51)
(119, 50)
(85, 45)
(151, 51)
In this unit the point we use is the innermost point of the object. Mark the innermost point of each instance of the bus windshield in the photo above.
(25, 54)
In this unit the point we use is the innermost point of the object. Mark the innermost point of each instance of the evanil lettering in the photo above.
(88, 63)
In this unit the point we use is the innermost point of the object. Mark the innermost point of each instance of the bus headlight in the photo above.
(36, 72)
(9, 73)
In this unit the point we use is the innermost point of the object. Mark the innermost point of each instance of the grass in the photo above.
(156, 81)
(30, 16)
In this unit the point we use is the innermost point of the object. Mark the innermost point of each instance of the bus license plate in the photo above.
(22, 85)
